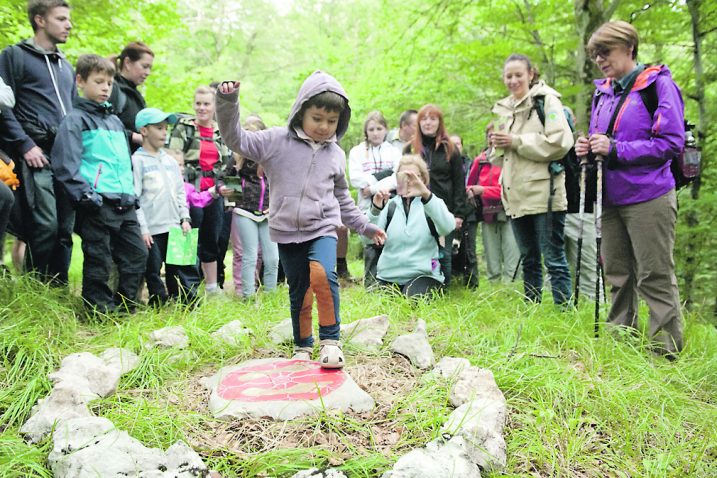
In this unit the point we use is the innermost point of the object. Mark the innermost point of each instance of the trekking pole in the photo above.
(517, 268)
(581, 218)
(598, 241)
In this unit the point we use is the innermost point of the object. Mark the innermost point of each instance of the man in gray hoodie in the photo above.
(43, 83)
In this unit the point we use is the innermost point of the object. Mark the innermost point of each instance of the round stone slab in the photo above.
(282, 389)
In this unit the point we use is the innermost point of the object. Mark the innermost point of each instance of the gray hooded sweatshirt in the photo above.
(309, 194)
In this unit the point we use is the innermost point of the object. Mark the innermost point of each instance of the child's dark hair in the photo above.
(88, 64)
(327, 100)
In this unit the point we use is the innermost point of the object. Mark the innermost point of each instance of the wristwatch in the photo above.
(185, 219)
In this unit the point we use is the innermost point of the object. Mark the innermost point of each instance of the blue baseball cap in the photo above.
(153, 116)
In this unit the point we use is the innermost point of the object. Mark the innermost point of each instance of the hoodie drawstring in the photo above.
(54, 83)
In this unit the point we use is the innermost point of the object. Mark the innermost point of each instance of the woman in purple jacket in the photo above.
(640, 206)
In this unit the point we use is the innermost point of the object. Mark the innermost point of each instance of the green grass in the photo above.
(578, 406)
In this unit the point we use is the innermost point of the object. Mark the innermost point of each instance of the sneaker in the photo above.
(302, 353)
(330, 354)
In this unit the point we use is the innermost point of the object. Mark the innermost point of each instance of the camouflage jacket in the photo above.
(185, 138)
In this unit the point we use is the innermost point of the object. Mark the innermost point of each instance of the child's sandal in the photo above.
(330, 354)
(302, 353)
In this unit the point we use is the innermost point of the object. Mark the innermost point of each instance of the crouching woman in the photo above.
(415, 221)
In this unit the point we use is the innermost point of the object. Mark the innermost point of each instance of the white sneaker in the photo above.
(302, 353)
(330, 354)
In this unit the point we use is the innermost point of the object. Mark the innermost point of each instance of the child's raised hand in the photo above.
(379, 237)
(228, 87)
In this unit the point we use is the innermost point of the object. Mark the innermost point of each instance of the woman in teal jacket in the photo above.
(415, 221)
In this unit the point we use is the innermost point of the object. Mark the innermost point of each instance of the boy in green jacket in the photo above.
(90, 158)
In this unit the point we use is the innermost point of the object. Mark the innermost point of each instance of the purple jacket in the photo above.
(638, 167)
(309, 194)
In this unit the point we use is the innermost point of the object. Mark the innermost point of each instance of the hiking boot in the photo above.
(302, 353)
(330, 354)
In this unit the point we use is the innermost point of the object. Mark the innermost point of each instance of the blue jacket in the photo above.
(91, 155)
(411, 250)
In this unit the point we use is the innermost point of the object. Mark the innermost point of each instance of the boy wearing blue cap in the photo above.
(90, 158)
(159, 185)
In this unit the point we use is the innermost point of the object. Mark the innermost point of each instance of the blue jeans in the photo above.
(251, 234)
(310, 269)
(542, 235)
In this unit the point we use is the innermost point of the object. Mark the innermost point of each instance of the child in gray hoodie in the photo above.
(309, 199)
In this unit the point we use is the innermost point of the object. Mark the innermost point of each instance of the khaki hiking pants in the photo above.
(637, 246)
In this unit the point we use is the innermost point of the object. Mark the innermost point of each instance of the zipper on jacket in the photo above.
(97, 177)
(303, 187)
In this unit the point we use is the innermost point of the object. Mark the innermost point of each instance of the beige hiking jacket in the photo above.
(525, 177)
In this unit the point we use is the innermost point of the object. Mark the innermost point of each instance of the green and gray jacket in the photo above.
(185, 138)
(90, 156)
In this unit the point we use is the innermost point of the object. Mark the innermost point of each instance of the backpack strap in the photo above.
(431, 225)
(649, 97)
(616, 113)
(539, 107)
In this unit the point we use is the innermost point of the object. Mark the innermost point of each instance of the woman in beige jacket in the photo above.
(530, 133)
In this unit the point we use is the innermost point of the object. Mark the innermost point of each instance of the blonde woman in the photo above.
(415, 220)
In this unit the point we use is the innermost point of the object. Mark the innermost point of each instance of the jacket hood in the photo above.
(538, 89)
(29, 45)
(644, 79)
(319, 82)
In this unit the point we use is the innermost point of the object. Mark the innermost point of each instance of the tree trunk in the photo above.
(589, 15)
(692, 219)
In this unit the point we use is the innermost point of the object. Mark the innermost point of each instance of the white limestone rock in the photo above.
(169, 337)
(88, 373)
(478, 427)
(436, 460)
(121, 359)
(449, 367)
(368, 332)
(415, 346)
(65, 402)
(474, 382)
(92, 447)
(231, 333)
(282, 332)
(282, 389)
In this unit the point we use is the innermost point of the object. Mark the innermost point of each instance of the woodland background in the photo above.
(396, 55)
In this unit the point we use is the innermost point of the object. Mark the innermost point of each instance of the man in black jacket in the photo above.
(43, 82)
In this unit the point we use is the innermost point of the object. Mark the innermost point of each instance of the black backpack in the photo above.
(685, 167)
(570, 163)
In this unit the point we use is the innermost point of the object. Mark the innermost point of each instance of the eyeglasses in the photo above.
(603, 52)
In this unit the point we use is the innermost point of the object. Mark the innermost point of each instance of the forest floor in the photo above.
(577, 406)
